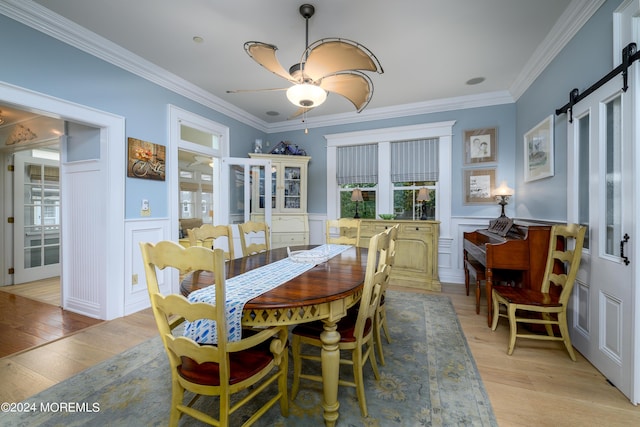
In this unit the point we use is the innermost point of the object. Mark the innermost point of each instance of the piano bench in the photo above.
(476, 271)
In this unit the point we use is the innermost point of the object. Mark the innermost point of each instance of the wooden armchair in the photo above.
(356, 329)
(206, 235)
(222, 369)
(347, 229)
(246, 229)
(548, 306)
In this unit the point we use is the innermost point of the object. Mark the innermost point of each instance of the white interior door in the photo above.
(600, 184)
(36, 218)
(249, 186)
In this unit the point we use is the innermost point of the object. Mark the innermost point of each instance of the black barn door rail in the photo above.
(629, 56)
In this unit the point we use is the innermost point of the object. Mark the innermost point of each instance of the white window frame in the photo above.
(383, 137)
(178, 116)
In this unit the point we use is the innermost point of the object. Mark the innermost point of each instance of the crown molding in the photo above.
(58, 27)
(42, 19)
(570, 22)
(415, 109)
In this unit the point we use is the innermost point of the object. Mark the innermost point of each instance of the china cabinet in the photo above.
(289, 218)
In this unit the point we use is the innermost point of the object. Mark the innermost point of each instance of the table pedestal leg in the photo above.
(330, 356)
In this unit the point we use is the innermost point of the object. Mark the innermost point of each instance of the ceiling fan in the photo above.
(328, 65)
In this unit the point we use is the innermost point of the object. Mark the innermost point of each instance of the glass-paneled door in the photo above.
(249, 186)
(36, 218)
(601, 197)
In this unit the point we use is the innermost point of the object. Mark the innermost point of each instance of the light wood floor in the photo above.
(47, 290)
(538, 385)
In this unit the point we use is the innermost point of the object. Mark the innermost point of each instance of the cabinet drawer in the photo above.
(280, 240)
(421, 229)
(289, 224)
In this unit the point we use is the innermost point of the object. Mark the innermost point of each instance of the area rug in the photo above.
(430, 379)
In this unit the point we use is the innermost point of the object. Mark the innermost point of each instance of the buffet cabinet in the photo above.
(416, 262)
(289, 217)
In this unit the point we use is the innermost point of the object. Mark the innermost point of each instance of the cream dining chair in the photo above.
(249, 230)
(343, 231)
(548, 306)
(206, 235)
(356, 329)
(380, 322)
(225, 368)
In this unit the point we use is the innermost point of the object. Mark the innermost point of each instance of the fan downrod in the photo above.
(307, 11)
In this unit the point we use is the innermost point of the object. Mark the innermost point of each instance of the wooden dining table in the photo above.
(324, 292)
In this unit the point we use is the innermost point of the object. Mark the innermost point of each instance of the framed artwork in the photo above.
(145, 160)
(480, 146)
(538, 151)
(478, 185)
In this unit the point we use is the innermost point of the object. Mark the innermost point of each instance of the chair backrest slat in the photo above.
(348, 230)
(249, 227)
(563, 260)
(207, 234)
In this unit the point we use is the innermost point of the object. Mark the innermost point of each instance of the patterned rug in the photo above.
(430, 379)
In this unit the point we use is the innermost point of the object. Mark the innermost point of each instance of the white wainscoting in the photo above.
(136, 297)
(460, 225)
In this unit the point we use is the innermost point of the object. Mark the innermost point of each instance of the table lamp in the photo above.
(503, 195)
(356, 196)
(423, 196)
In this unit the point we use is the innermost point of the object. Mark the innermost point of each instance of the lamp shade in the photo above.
(423, 195)
(306, 95)
(356, 195)
(503, 190)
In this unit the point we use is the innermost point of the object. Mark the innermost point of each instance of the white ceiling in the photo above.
(429, 49)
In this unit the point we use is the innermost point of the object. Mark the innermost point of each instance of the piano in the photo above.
(519, 257)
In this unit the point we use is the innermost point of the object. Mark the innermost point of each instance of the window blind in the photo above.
(189, 186)
(414, 161)
(357, 164)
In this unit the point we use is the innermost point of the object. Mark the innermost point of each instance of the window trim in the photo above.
(383, 137)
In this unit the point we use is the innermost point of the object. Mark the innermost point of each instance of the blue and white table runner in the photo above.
(245, 287)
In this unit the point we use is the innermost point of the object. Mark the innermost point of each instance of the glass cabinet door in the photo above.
(292, 187)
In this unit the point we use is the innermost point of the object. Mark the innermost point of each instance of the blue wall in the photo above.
(35, 61)
(502, 117)
(43, 64)
(584, 61)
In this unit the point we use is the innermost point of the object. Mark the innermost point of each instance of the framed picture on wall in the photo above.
(538, 151)
(480, 146)
(478, 185)
(145, 160)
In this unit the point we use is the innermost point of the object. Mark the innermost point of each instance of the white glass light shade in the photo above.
(306, 95)
(503, 190)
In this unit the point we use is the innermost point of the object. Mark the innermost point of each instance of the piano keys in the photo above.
(520, 256)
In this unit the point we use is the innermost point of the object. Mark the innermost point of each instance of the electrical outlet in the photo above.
(145, 209)
(134, 279)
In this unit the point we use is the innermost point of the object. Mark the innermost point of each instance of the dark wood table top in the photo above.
(333, 280)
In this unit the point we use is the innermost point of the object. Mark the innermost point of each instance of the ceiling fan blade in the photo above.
(353, 85)
(328, 56)
(265, 55)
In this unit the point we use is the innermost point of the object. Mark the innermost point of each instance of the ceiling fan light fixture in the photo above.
(306, 95)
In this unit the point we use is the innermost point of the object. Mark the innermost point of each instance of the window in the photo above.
(405, 200)
(426, 149)
(199, 145)
(357, 168)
